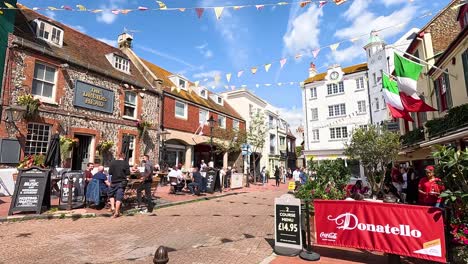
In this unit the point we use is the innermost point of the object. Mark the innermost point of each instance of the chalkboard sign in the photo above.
(288, 235)
(32, 191)
(78, 189)
(211, 180)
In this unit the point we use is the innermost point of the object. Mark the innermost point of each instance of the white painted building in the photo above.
(275, 148)
(334, 103)
(379, 60)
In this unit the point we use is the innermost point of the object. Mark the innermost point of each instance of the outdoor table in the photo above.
(163, 178)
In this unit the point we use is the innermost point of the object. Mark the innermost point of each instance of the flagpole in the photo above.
(424, 62)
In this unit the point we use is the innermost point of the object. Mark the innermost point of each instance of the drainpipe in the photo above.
(368, 96)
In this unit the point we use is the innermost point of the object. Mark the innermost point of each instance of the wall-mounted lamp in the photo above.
(14, 113)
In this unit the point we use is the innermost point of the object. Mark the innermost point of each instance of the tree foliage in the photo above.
(228, 140)
(257, 133)
(374, 147)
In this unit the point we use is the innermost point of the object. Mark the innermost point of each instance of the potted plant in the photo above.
(66, 146)
(32, 160)
(453, 170)
(31, 105)
(143, 126)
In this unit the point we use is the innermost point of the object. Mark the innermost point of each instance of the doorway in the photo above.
(82, 152)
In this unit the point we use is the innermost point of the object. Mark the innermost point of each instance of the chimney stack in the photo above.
(124, 40)
(312, 70)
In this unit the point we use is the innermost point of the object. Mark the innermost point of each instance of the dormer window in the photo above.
(49, 32)
(219, 100)
(182, 84)
(121, 64)
(204, 93)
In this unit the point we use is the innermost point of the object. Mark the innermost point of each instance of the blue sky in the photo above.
(202, 48)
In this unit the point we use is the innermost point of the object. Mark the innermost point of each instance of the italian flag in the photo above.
(393, 99)
(407, 74)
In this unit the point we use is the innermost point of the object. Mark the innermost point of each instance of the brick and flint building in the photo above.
(88, 91)
(185, 110)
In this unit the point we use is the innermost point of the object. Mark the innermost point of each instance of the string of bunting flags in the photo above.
(340, 121)
(315, 52)
(161, 6)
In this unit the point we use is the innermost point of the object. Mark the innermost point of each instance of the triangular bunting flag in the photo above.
(282, 62)
(354, 39)
(226, 87)
(239, 74)
(267, 67)
(96, 11)
(125, 11)
(178, 89)
(233, 87)
(322, 3)
(69, 8)
(172, 88)
(197, 83)
(206, 79)
(237, 7)
(218, 12)
(267, 84)
(339, 2)
(283, 3)
(10, 6)
(228, 77)
(217, 78)
(52, 8)
(291, 83)
(279, 84)
(304, 4)
(259, 7)
(81, 7)
(142, 8)
(162, 5)
(333, 47)
(257, 85)
(253, 70)
(182, 9)
(199, 12)
(315, 53)
(115, 12)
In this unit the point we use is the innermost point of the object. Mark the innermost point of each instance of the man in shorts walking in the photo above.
(119, 170)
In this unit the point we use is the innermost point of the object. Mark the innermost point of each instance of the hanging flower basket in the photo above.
(31, 104)
(66, 146)
(32, 160)
(105, 146)
(142, 127)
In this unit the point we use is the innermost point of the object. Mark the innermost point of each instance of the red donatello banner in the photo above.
(415, 231)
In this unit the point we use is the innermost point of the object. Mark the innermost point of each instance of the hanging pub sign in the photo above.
(32, 191)
(93, 97)
(288, 235)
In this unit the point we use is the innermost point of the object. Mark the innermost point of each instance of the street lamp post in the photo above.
(162, 151)
(212, 123)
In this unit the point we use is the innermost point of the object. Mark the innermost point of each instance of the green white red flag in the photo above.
(393, 99)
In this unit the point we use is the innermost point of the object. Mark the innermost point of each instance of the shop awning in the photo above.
(455, 136)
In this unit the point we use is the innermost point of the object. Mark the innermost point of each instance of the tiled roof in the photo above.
(191, 97)
(76, 47)
(347, 70)
(455, 43)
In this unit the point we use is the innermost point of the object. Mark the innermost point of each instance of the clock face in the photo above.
(334, 75)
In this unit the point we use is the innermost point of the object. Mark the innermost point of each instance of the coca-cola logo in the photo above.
(328, 236)
(349, 221)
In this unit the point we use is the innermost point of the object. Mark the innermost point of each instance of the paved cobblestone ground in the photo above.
(233, 229)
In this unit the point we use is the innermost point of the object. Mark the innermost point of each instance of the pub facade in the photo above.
(59, 80)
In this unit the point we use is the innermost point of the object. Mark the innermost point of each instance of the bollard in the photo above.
(70, 193)
(160, 256)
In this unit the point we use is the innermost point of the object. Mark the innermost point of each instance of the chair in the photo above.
(176, 186)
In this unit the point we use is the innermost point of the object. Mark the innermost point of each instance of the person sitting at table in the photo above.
(103, 181)
(358, 188)
(194, 186)
(175, 178)
(134, 172)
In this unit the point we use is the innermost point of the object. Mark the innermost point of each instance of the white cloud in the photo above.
(203, 49)
(303, 31)
(111, 42)
(168, 56)
(388, 3)
(106, 16)
(210, 75)
(363, 21)
(50, 14)
(294, 118)
(79, 28)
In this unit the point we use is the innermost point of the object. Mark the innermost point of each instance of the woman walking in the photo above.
(277, 176)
